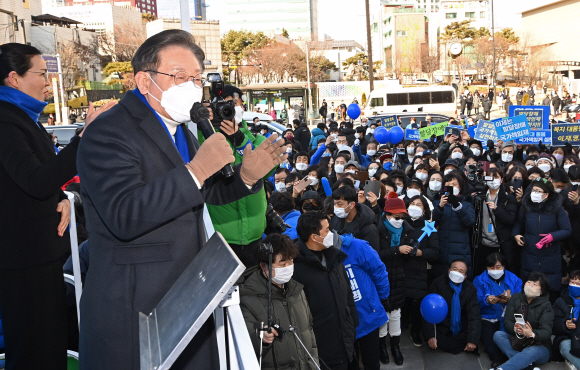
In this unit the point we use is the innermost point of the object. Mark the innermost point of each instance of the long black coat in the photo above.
(362, 226)
(562, 311)
(144, 216)
(302, 134)
(415, 268)
(505, 217)
(331, 302)
(31, 175)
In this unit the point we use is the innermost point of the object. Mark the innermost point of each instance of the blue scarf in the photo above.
(575, 292)
(180, 140)
(395, 233)
(31, 106)
(455, 308)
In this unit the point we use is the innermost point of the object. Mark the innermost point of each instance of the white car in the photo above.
(421, 81)
(249, 117)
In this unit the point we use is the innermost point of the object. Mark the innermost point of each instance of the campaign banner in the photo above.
(450, 127)
(485, 131)
(538, 115)
(437, 130)
(389, 121)
(545, 136)
(412, 134)
(511, 128)
(472, 130)
(51, 63)
(565, 132)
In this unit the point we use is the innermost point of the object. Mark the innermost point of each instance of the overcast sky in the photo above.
(345, 19)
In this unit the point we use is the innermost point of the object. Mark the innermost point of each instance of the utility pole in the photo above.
(309, 90)
(23, 32)
(493, 46)
(370, 47)
(184, 11)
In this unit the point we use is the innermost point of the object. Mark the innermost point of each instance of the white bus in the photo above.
(433, 98)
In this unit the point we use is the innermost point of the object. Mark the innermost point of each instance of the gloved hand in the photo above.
(490, 145)
(452, 199)
(546, 241)
(212, 156)
(356, 142)
(257, 163)
(386, 305)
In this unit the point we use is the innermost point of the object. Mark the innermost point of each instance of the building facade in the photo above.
(170, 9)
(16, 12)
(477, 12)
(99, 17)
(207, 36)
(298, 17)
(143, 6)
(337, 51)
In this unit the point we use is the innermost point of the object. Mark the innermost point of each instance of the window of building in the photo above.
(469, 14)
(377, 102)
(401, 33)
(481, 14)
(375, 27)
(450, 15)
(397, 99)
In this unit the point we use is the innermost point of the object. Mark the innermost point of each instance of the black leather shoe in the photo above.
(416, 339)
(496, 364)
(383, 352)
(396, 350)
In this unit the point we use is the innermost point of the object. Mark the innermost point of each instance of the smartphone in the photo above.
(447, 190)
(373, 187)
(575, 188)
(520, 319)
(303, 184)
(517, 184)
(401, 151)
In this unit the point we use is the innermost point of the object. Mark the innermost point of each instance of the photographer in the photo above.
(281, 349)
(242, 222)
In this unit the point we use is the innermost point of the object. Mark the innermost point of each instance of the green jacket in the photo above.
(289, 307)
(243, 221)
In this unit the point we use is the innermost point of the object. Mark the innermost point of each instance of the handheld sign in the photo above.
(412, 134)
(545, 136)
(538, 116)
(485, 131)
(565, 133)
(510, 128)
(437, 130)
(389, 121)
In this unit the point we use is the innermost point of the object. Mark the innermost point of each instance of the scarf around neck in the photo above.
(576, 309)
(31, 106)
(395, 233)
(455, 308)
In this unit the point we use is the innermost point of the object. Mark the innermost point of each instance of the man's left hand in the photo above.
(229, 128)
(470, 347)
(63, 208)
(257, 163)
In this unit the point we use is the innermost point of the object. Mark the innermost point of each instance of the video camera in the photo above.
(212, 92)
(475, 176)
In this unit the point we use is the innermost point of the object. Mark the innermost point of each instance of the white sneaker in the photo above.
(569, 366)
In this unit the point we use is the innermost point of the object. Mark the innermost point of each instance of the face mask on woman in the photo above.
(397, 224)
(412, 193)
(415, 212)
(399, 190)
(421, 176)
(567, 167)
(495, 184)
(435, 185)
(314, 181)
(371, 152)
(456, 191)
(532, 292)
(536, 197)
(545, 167)
(476, 152)
(559, 158)
(456, 155)
(410, 150)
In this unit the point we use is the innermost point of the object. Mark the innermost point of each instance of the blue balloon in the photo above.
(397, 134)
(382, 135)
(434, 308)
(353, 111)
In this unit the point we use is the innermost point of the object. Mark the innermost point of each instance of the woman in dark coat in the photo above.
(566, 327)
(415, 263)
(302, 134)
(541, 226)
(35, 216)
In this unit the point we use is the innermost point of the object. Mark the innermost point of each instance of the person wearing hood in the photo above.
(534, 305)
(370, 283)
(351, 217)
(461, 329)
(454, 215)
(289, 306)
(311, 201)
(283, 205)
(541, 226)
(494, 289)
(319, 267)
(317, 133)
(566, 327)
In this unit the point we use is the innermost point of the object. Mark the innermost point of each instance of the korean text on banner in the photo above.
(563, 133)
(510, 128)
(545, 136)
(538, 115)
(389, 121)
(412, 134)
(485, 131)
(437, 130)
(450, 127)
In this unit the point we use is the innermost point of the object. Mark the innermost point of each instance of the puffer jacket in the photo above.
(548, 217)
(562, 312)
(291, 219)
(538, 313)
(316, 135)
(289, 308)
(454, 229)
(484, 284)
(361, 227)
(303, 135)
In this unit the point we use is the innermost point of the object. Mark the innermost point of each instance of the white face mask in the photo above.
(557, 190)
(328, 240)
(342, 147)
(301, 166)
(399, 189)
(239, 114)
(410, 150)
(506, 157)
(289, 150)
(456, 277)
(283, 274)
(372, 130)
(280, 186)
(447, 171)
(545, 167)
(476, 152)
(415, 212)
(341, 212)
(529, 167)
(357, 135)
(495, 274)
(372, 172)
(371, 153)
(412, 192)
(567, 167)
(536, 197)
(456, 155)
(314, 181)
(397, 224)
(339, 168)
(178, 100)
(495, 184)
(455, 191)
(435, 185)
(416, 165)
(421, 176)
(575, 183)
(531, 292)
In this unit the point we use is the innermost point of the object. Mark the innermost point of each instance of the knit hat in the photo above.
(543, 184)
(509, 143)
(393, 204)
(546, 157)
(385, 156)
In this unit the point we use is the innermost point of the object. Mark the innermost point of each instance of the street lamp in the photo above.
(493, 76)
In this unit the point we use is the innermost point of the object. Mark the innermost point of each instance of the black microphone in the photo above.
(199, 114)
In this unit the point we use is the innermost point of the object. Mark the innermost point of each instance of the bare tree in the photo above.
(430, 62)
(77, 58)
(122, 44)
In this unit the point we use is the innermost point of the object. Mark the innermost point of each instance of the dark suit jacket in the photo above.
(31, 175)
(144, 218)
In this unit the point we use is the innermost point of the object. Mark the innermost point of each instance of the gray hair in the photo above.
(147, 56)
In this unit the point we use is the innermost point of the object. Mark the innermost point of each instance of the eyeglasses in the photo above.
(43, 74)
(181, 78)
(538, 192)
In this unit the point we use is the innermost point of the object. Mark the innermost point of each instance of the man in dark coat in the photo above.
(491, 94)
(487, 103)
(519, 97)
(302, 134)
(546, 101)
(319, 267)
(323, 110)
(462, 104)
(556, 101)
(467, 337)
(143, 193)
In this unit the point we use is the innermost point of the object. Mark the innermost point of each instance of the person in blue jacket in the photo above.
(495, 287)
(317, 134)
(370, 287)
(454, 216)
(283, 205)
